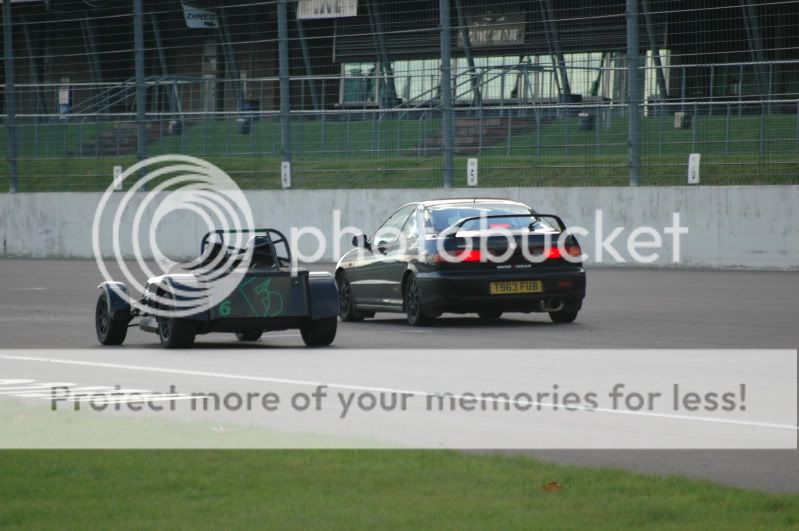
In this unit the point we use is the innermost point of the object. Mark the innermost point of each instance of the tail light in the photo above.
(458, 255)
(572, 250)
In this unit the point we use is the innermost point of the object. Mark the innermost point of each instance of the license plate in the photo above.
(516, 286)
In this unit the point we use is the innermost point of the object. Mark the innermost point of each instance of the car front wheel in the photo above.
(110, 331)
(174, 332)
(346, 302)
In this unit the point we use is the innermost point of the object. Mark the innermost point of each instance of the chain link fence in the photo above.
(375, 94)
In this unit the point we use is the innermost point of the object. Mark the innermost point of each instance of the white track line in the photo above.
(227, 376)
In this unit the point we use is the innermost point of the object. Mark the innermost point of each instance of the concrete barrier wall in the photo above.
(730, 227)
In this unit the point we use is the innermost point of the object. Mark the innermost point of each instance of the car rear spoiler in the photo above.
(452, 230)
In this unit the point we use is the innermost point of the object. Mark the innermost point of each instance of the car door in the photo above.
(397, 257)
(372, 282)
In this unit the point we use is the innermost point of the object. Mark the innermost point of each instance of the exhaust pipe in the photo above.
(552, 306)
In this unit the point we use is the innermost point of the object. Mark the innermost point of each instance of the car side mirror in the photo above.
(360, 241)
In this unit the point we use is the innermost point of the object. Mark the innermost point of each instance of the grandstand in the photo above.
(541, 92)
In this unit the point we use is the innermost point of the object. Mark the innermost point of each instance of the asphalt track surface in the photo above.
(49, 304)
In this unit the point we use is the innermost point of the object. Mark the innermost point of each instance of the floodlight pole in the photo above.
(447, 118)
(11, 97)
(283, 59)
(141, 88)
(633, 93)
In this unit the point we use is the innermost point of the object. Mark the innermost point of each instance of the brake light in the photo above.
(572, 250)
(499, 226)
(459, 255)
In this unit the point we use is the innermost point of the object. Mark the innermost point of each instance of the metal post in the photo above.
(141, 99)
(633, 93)
(283, 55)
(447, 121)
(11, 98)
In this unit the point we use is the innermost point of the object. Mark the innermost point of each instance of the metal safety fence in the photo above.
(370, 93)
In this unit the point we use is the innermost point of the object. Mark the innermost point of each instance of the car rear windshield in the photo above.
(443, 217)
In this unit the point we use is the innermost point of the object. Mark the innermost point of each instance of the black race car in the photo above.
(484, 256)
(266, 296)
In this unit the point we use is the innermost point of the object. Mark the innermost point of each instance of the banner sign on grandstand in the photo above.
(199, 18)
(495, 28)
(317, 9)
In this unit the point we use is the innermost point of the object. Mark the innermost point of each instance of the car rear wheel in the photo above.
(110, 331)
(248, 336)
(319, 332)
(175, 332)
(490, 315)
(566, 315)
(413, 303)
(346, 307)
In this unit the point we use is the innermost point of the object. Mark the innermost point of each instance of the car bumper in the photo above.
(469, 292)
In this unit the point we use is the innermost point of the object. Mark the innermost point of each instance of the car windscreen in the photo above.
(443, 217)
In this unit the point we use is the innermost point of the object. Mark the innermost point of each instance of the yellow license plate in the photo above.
(516, 286)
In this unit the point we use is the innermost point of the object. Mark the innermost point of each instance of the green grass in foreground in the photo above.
(331, 489)
(357, 489)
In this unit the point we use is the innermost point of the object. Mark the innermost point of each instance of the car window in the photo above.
(390, 230)
(411, 228)
(443, 217)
